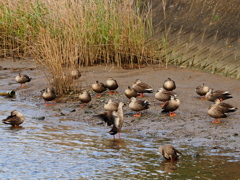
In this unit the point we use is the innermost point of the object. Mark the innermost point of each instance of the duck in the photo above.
(169, 84)
(163, 95)
(49, 95)
(225, 106)
(169, 152)
(217, 94)
(130, 92)
(138, 106)
(75, 74)
(202, 90)
(85, 98)
(99, 88)
(107, 117)
(22, 79)
(15, 119)
(171, 105)
(141, 87)
(112, 85)
(216, 112)
(111, 106)
(220, 110)
(118, 121)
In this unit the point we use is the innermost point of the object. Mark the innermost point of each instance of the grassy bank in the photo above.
(68, 34)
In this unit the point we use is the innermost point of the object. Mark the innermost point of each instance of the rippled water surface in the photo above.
(55, 149)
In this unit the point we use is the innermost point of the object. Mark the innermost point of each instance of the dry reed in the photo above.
(68, 34)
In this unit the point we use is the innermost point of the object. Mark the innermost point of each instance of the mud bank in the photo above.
(191, 125)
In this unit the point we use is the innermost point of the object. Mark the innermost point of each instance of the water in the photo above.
(57, 148)
(69, 149)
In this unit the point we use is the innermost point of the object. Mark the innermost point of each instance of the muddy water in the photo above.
(56, 148)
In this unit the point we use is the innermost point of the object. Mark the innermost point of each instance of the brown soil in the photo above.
(191, 125)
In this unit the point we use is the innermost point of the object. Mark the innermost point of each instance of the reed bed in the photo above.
(202, 35)
(68, 34)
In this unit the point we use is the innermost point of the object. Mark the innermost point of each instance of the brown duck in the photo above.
(163, 95)
(142, 87)
(138, 106)
(169, 84)
(218, 94)
(99, 88)
(117, 120)
(169, 152)
(85, 98)
(22, 79)
(75, 74)
(202, 90)
(107, 117)
(111, 106)
(171, 105)
(220, 110)
(130, 92)
(15, 119)
(49, 96)
(112, 85)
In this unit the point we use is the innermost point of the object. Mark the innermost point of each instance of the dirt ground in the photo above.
(191, 125)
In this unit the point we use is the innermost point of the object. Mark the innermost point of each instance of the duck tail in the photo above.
(146, 104)
(149, 90)
(113, 131)
(233, 109)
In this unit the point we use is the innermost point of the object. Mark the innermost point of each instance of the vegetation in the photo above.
(67, 34)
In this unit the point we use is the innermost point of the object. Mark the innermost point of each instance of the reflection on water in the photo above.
(68, 149)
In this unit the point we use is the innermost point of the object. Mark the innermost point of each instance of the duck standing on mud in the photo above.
(130, 92)
(141, 87)
(112, 85)
(99, 88)
(171, 105)
(217, 94)
(22, 79)
(85, 98)
(15, 119)
(202, 90)
(220, 110)
(49, 96)
(169, 84)
(138, 106)
(111, 106)
(163, 95)
(75, 74)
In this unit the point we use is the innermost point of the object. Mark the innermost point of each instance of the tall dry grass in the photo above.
(67, 34)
